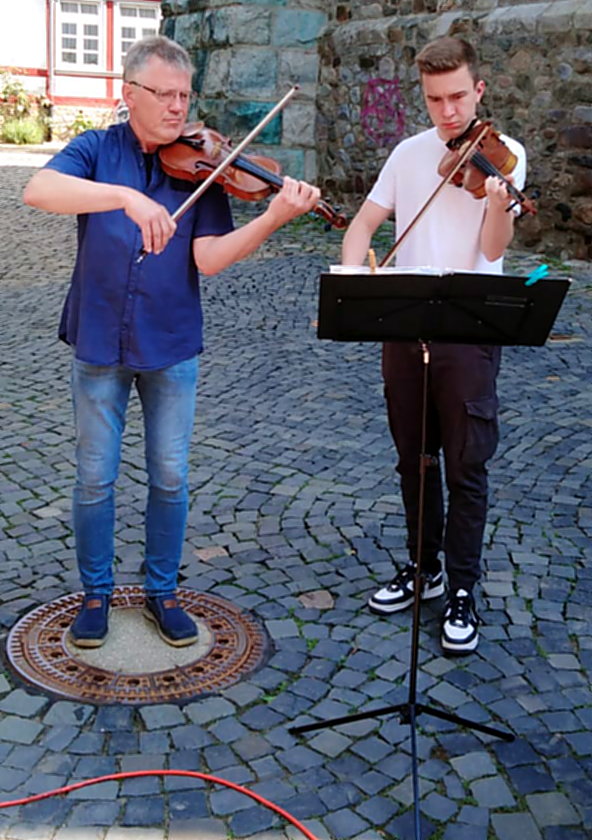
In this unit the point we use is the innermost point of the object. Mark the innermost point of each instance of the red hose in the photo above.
(192, 773)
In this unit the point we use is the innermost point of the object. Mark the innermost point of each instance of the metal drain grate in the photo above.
(135, 666)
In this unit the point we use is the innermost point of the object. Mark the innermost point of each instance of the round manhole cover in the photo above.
(135, 666)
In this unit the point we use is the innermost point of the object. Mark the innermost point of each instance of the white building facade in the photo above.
(71, 51)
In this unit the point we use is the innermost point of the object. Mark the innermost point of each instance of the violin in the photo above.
(490, 157)
(199, 151)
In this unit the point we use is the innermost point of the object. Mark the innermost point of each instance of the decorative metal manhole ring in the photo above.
(135, 666)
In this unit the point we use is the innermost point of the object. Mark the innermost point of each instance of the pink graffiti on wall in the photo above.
(383, 111)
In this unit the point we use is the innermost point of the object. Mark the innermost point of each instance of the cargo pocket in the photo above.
(482, 432)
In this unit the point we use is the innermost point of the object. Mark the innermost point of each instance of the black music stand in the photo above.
(459, 308)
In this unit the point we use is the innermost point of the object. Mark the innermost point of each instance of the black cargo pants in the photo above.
(462, 423)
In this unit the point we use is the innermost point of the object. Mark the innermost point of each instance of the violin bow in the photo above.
(464, 156)
(190, 201)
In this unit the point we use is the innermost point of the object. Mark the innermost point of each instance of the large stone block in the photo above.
(559, 17)
(299, 124)
(352, 35)
(217, 73)
(253, 73)
(514, 19)
(295, 27)
(188, 30)
(583, 15)
(235, 118)
(291, 161)
(298, 66)
(250, 25)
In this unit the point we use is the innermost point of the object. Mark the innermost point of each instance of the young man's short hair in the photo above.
(446, 54)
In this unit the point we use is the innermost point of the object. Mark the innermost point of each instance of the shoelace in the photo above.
(460, 607)
(403, 578)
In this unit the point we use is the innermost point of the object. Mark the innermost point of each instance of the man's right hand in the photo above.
(58, 193)
(153, 219)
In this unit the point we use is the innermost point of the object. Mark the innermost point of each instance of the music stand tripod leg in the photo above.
(408, 712)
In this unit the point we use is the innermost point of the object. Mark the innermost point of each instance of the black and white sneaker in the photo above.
(460, 624)
(398, 595)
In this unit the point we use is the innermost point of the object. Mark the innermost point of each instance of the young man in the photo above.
(140, 323)
(457, 232)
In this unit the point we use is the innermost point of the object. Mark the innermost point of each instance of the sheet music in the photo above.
(365, 269)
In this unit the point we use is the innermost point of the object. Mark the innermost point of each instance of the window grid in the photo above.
(81, 28)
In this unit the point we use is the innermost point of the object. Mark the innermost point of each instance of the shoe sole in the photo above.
(458, 650)
(174, 642)
(87, 643)
(384, 609)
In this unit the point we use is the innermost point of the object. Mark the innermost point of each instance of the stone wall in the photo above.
(247, 55)
(354, 60)
(537, 61)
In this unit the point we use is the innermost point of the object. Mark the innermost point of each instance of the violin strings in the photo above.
(253, 169)
(486, 166)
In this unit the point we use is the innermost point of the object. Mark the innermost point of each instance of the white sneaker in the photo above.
(460, 623)
(398, 595)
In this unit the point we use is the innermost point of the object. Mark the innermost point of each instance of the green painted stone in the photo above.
(235, 119)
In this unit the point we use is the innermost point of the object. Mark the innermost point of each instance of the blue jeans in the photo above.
(100, 396)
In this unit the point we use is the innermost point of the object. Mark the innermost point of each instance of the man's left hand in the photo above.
(294, 199)
(497, 191)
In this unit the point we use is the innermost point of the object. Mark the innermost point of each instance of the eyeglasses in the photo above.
(167, 97)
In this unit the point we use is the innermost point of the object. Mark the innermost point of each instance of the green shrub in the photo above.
(23, 130)
(79, 124)
(14, 99)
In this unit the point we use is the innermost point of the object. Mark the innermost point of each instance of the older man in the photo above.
(131, 322)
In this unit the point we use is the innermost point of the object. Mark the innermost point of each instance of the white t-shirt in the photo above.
(448, 234)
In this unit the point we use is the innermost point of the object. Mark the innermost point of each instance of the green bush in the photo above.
(23, 130)
(79, 124)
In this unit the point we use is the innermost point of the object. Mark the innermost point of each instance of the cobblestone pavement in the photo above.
(296, 516)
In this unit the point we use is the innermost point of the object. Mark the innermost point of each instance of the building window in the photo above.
(132, 22)
(80, 28)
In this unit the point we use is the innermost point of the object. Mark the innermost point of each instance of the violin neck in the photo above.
(270, 178)
(484, 164)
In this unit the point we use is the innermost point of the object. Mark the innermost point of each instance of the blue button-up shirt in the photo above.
(144, 316)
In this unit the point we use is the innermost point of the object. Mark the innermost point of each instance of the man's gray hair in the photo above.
(155, 45)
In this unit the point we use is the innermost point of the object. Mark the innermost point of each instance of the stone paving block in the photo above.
(511, 826)
(86, 814)
(338, 795)
(67, 713)
(24, 758)
(19, 730)
(329, 743)
(530, 780)
(252, 821)
(29, 831)
(492, 792)
(581, 743)
(161, 716)
(20, 703)
(377, 810)
(403, 827)
(474, 765)
(465, 832)
(78, 833)
(345, 823)
(550, 809)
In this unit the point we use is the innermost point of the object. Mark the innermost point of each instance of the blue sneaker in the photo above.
(90, 627)
(172, 622)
